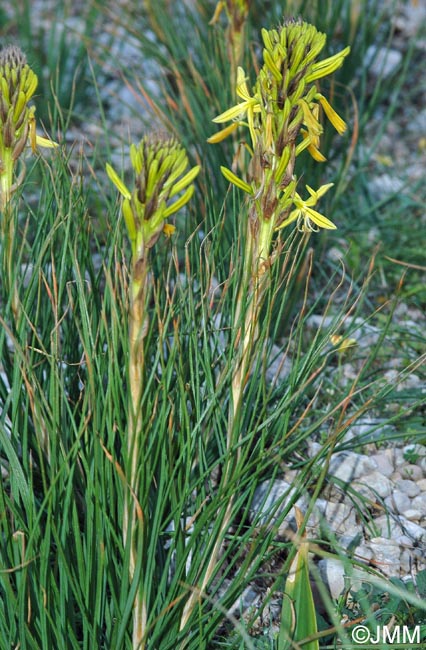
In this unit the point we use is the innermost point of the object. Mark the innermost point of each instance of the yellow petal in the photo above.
(317, 194)
(129, 218)
(309, 119)
(168, 229)
(293, 216)
(232, 113)
(185, 180)
(334, 118)
(181, 201)
(242, 89)
(327, 66)
(319, 219)
(232, 178)
(222, 134)
(45, 142)
(316, 153)
(114, 177)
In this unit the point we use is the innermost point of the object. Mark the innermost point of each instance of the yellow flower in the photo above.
(334, 118)
(168, 229)
(248, 107)
(343, 344)
(307, 218)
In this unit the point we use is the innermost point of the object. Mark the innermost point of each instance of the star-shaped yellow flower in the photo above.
(307, 218)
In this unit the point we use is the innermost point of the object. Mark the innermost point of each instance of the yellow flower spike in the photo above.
(282, 111)
(158, 163)
(17, 119)
(334, 118)
(113, 176)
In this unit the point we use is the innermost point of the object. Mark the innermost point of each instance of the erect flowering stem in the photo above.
(281, 114)
(159, 164)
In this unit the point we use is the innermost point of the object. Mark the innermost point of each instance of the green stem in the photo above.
(132, 519)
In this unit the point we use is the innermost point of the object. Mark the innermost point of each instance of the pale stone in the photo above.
(333, 573)
(348, 466)
(419, 503)
(384, 464)
(364, 553)
(398, 502)
(399, 457)
(413, 515)
(406, 561)
(403, 540)
(412, 472)
(422, 484)
(410, 488)
(339, 516)
(383, 61)
(389, 453)
(422, 464)
(374, 485)
(386, 553)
